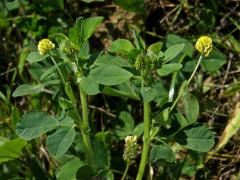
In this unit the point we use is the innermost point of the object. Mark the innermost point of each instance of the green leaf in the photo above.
(173, 51)
(58, 37)
(69, 169)
(138, 41)
(84, 50)
(59, 142)
(167, 69)
(26, 89)
(108, 59)
(138, 130)
(110, 75)
(155, 48)
(66, 121)
(87, 26)
(191, 106)
(89, 85)
(148, 94)
(35, 123)
(121, 46)
(214, 61)
(173, 39)
(50, 72)
(101, 151)
(126, 124)
(161, 154)
(11, 149)
(35, 57)
(105, 174)
(196, 137)
(64, 103)
(86, 172)
(15, 116)
(124, 90)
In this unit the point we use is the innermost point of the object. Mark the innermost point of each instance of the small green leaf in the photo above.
(59, 142)
(105, 174)
(110, 75)
(125, 126)
(161, 154)
(196, 137)
(214, 61)
(89, 85)
(50, 72)
(35, 57)
(121, 46)
(148, 94)
(35, 123)
(155, 48)
(69, 169)
(26, 89)
(138, 41)
(167, 69)
(15, 116)
(11, 149)
(66, 121)
(191, 106)
(173, 51)
(138, 130)
(64, 103)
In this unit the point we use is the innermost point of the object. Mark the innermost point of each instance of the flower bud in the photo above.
(130, 148)
(139, 63)
(68, 47)
(204, 45)
(44, 46)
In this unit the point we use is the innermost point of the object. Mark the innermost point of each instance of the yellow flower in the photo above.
(204, 45)
(45, 45)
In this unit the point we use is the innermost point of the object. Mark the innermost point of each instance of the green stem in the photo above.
(144, 158)
(59, 71)
(187, 84)
(173, 81)
(85, 123)
(126, 171)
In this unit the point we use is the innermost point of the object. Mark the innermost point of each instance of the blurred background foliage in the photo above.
(24, 22)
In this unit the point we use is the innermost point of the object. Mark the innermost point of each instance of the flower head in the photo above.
(204, 45)
(68, 47)
(140, 63)
(45, 45)
(130, 148)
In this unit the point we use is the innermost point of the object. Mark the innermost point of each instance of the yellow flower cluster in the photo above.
(130, 148)
(204, 45)
(45, 45)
